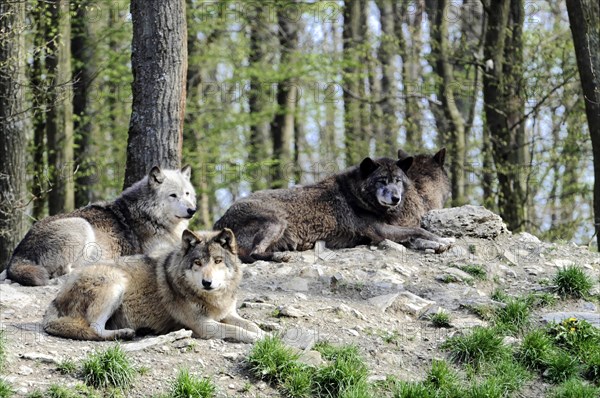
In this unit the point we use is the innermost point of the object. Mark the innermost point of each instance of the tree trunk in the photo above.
(389, 106)
(82, 47)
(59, 122)
(283, 125)
(584, 16)
(13, 128)
(354, 136)
(440, 47)
(159, 65)
(504, 106)
(410, 45)
(39, 101)
(258, 151)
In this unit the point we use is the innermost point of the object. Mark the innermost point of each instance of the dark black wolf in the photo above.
(364, 204)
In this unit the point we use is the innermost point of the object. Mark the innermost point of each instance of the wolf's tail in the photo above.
(69, 327)
(27, 273)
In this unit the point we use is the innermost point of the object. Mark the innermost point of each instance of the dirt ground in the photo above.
(374, 297)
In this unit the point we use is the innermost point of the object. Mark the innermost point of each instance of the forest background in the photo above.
(271, 94)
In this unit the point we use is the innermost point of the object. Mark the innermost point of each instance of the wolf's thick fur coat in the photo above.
(367, 203)
(193, 285)
(153, 211)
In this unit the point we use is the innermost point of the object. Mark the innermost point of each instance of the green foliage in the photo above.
(6, 389)
(572, 281)
(440, 319)
(67, 367)
(188, 386)
(346, 375)
(574, 335)
(477, 271)
(514, 317)
(109, 368)
(561, 366)
(480, 344)
(443, 378)
(270, 359)
(535, 350)
(574, 388)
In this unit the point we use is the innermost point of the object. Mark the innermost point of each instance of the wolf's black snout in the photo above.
(191, 212)
(395, 199)
(206, 283)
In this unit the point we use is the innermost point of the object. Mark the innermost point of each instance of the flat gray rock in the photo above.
(592, 317)
(303, 339)
(472, 221)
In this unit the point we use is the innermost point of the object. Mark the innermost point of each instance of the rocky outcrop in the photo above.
(465, 221)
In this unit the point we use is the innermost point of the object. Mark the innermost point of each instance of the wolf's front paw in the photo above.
(125, 334)
(444, 244)
(282, 257)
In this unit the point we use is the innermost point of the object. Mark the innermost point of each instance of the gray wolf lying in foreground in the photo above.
(193, 285)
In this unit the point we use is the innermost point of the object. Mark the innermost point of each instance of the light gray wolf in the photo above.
(154, 210)
(364, 204)
(192, 285)
(429, 177)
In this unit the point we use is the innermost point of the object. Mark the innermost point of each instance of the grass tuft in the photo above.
(514, 317)
(481, 344)
(270, 359)
(442, 377)
(475, 270)
(67, 367)
(110, 368)
(346, 375)
(188, 386)
(572, 281)
(574, 388)
(535, 350)
(562, 366)
(6, 389)
(440, 319)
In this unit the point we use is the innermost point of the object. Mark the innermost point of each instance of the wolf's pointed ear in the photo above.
(155, 177)
(405, 164)
(367, 166)
(226, 238)
(187, 171)
(189, 240)
(402, 154)
(440, 157)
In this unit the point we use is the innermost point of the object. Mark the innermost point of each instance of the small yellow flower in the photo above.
(573, 329)
(572, 319)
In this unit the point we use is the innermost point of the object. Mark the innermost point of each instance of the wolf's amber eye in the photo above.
(197, 262)
(218, 260)
(173, 195)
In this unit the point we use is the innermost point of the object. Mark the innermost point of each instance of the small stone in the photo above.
(392, 246)
(296, 284)
(343, 308)
(232, 356)
(383, 302)
(260, 306)
(413, 304)
(311, 358)
(25, 370)
(303, 339)
(291, 312)
(510, 257)
(353, 332)
(510, 341)
(34, 356)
